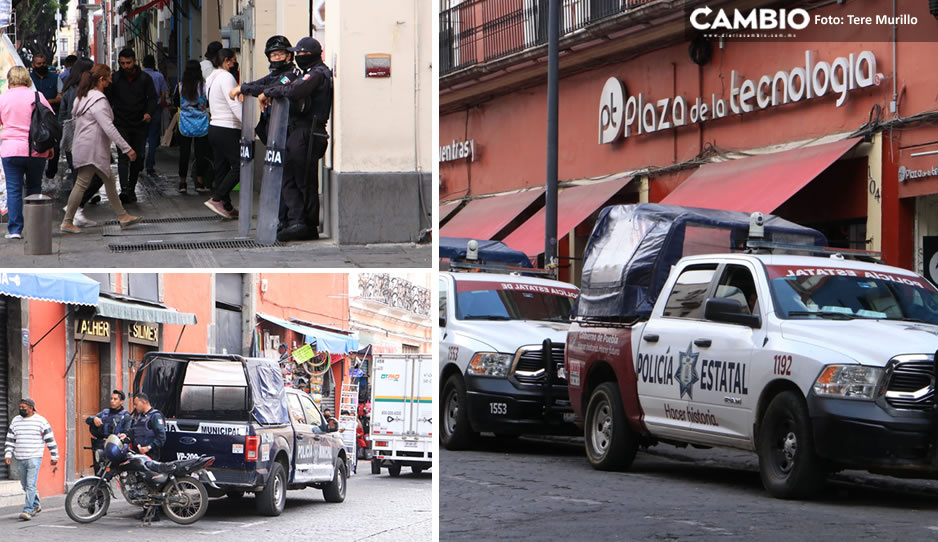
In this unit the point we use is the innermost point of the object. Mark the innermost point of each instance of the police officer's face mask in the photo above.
(305, 61)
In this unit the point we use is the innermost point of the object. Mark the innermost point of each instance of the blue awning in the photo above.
(334, 343)
(72, 288)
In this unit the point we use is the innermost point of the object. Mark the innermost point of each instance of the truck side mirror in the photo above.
(442, 321)
(729, 311)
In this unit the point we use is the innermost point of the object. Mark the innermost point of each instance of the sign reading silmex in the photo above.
(639, 114)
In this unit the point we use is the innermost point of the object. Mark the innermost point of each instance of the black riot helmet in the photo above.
(278, 43)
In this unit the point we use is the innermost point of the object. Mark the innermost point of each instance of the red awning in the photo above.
(574, 205)
(448, 208)
(483, 218)
(757, 183)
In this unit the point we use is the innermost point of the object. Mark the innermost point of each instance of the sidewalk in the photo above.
(198, 240)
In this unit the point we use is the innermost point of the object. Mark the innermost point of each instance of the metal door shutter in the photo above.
(4, 389)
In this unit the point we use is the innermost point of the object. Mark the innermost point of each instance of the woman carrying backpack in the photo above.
(91, 147)
(193, 126)
(23, 169)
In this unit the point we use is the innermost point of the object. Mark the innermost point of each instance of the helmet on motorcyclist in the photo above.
(114, 450)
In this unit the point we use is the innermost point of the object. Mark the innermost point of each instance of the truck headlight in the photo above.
(489, 364)
(854, 381)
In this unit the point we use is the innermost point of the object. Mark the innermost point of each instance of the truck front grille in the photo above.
(912, 386)
(529, 367)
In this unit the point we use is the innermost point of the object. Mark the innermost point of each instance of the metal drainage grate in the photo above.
(171, 220)
(196, 245)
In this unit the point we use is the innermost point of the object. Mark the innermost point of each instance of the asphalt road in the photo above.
(376, 508)
(546, 490)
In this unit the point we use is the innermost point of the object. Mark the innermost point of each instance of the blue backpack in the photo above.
(193, 116)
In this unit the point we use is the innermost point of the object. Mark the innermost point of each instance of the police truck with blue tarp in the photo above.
(265, 438)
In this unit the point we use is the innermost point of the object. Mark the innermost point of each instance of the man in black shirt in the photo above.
(133, 99)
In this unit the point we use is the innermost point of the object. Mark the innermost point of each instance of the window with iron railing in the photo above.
(477, 31)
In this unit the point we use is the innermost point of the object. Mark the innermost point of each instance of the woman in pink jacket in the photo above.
(91, 146)
(23, 169)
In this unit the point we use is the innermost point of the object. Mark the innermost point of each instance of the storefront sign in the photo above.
(144, 334)
(93, 330)
(637, 115)
(907, 174)
(458, 150)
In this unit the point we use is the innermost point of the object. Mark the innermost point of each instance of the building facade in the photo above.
(650, 112)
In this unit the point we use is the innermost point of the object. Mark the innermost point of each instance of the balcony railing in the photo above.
(477, 31)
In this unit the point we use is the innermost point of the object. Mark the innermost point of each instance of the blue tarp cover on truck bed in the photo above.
(632, 248)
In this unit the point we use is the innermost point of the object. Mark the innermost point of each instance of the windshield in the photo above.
(496, 300)
(836, 293)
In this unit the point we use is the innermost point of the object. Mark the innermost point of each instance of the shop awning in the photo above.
(757, 183)
(484, 217)
(574, 205)
(72, 288)
(324, 340)
(140, 312)
(447, 209)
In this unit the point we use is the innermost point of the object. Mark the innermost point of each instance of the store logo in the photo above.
(755, 19)
(391, 377)
(611, 111)
(906, 174)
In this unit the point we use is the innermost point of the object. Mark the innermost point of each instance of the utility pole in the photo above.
(550, 226)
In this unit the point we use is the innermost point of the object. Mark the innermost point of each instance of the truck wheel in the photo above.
(273, 498)
(416, 470)
(375, 466)
(335, 490)
(610, 443)
(789, 467)
(456, 432)
(394, 469)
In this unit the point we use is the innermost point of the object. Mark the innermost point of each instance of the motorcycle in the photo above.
(178, 487)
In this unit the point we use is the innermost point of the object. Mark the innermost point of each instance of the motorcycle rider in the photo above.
(310, 97)
(110, 421)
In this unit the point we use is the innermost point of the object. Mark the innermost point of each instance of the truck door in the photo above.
(668, 366)
(388, 400)
(445, 354)
(304, 452)
(722, 404)
(423, 396)
(323, 450)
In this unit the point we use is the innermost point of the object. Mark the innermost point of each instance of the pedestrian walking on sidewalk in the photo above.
(23, 169)
(193, 126)
(26, 436)
(49, 85)
(224, 133)
(162, 101)
(70, 90)
(133, 99)
(91, 148)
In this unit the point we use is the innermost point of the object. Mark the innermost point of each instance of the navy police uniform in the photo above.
(310, 97)
(114, 421)
(149, 430)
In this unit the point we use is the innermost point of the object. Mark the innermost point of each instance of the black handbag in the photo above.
(45, 130)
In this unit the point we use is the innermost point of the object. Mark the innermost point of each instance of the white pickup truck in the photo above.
(814, 363)
(493, 363)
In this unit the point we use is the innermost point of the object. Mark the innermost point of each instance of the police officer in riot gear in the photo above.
(282, 72)
(148, 428)
(110, 421)
(310, 105)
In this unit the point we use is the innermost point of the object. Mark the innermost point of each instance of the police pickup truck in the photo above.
(814, 363)
(501, 355)
(265, 438)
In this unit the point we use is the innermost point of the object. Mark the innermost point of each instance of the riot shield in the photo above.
(246, 198)
(269, 210)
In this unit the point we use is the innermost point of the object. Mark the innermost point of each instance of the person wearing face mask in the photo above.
(282, 72)
(49, 85)
(113, 420)
(133, 99)
(310, 105)
(224, 133)
(27, 435)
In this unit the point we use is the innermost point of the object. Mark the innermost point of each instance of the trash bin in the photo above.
(37, 224)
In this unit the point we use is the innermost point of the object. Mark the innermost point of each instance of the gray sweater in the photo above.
(94, 131)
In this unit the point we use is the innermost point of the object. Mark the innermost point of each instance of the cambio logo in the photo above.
(611, 111)
(756, 19)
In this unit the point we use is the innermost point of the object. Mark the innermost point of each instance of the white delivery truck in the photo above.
(402, 413)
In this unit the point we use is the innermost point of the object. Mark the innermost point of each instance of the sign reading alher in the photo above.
(623, 117)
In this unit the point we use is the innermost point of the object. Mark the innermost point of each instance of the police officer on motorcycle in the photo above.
(148, 430)
(310, 98)
(110, 421)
